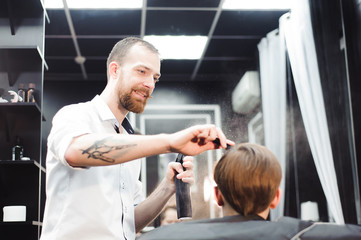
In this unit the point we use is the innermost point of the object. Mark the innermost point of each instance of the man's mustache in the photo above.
(144, 91)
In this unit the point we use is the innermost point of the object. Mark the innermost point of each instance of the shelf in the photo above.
(20, 185)
(22, 163)
(23, 120)
(19, 230)
(22, 62)
(9, 164)
(19, 59)
(20, 109)
(27, 223)
(23, 57)
(31, 52)
(16, 10)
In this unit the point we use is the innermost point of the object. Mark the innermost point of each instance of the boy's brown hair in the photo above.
(248, 176)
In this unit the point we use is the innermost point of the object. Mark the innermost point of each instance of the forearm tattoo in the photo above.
(101, 150)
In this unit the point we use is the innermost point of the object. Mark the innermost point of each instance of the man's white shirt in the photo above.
(91, 202)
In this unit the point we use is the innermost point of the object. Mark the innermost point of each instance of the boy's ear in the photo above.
(219, 197)
(276, 200)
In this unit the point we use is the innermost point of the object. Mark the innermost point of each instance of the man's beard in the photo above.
(132, 105)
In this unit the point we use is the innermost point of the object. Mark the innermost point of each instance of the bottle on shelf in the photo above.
(18, 150)
(30, 94)
(21, 92)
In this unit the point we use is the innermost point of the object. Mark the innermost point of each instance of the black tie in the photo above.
(126, 125)
(116, 128)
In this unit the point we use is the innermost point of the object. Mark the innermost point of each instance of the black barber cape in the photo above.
(253, 228)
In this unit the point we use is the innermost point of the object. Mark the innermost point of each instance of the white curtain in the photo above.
(302, 53)
(273, 87)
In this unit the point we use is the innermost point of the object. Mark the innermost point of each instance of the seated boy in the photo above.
(248, 178)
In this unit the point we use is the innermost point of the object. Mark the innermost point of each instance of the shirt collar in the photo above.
(104, 111)
(106, 114)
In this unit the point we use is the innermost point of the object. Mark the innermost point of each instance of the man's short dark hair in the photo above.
(122, 47)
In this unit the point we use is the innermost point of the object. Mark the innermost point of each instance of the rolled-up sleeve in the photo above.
(67, 124)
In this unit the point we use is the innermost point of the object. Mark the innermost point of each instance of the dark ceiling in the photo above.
(231, 51)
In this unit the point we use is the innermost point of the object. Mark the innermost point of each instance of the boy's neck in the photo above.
(229, 211)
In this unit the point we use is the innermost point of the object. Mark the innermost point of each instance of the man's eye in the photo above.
(141, 71)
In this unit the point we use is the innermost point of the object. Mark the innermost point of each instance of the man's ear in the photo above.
(276, 200)
(113, 69)
(219, 197)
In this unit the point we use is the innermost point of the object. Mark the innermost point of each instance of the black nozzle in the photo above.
(218, 143)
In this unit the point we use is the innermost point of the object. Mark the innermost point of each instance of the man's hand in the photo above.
(197, 139)
(150, 208)
(176, 169)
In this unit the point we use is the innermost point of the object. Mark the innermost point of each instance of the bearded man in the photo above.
(93, 165)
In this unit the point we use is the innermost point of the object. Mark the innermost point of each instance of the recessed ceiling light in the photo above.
(178, 47)
(94, 4)
(257, 4)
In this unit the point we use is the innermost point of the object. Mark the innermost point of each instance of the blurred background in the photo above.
(285, 74)
(219, 82)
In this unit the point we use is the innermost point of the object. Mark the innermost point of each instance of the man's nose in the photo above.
(150, 83)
